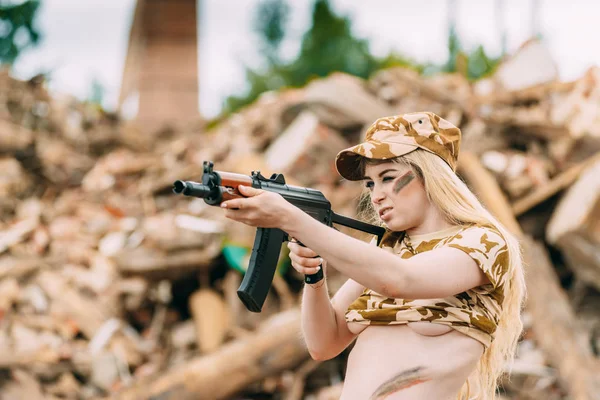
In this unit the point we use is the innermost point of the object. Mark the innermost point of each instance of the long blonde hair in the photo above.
(460, 206)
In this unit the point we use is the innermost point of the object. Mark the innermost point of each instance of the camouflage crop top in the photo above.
(474, 312)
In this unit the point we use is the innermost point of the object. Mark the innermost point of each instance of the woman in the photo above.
(435, 308)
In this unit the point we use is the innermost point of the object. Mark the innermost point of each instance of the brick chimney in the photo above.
(161, 68)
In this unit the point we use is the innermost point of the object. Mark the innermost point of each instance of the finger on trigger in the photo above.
(310, 253)
(305, 251)
(310, 262)
(293, 258)
(313, 270)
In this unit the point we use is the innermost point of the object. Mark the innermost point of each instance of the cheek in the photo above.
(407, 208)
(411, 199)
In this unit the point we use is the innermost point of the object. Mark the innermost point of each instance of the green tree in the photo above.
(328, 45)
(269, 24)
(17, 30)
(454, 50)
(473, 65)
(96, 92)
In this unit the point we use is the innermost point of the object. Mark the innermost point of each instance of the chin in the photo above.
(397, 226)
(402, 222)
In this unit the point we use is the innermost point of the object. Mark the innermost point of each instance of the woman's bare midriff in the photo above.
(420, 360)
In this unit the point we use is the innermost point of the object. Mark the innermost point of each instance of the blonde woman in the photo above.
(435, 308)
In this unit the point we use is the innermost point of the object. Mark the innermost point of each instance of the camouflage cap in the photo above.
(395, 136)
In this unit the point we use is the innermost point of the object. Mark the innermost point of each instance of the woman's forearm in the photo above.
(352, 257)
(319, 324)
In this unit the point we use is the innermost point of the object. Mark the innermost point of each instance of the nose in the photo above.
(377, 196)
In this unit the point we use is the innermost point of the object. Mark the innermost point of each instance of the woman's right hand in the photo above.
(304, 260)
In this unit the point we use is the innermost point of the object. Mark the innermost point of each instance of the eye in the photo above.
(420, 121)
(370, 184)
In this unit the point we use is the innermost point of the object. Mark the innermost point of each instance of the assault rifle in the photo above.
(217, 187)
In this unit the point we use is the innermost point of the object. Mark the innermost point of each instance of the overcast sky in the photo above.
(87, 39)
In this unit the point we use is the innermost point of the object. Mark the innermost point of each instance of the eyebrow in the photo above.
(381, 173)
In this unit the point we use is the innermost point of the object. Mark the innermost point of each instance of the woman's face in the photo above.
(397, 195)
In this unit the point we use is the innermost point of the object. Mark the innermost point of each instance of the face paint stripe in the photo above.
(403, 181)
(403, 380)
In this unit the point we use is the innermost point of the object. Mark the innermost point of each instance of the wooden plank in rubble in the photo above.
(582, 254)
(559, 182)
(576, 207)
(342, 100)
(553, 319)
(275, 346)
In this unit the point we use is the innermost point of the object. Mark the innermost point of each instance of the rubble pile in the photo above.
(113, 287)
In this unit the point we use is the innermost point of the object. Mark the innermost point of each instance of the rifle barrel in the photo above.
(189, 188)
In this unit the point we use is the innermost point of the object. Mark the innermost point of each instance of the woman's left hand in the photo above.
(260, 208)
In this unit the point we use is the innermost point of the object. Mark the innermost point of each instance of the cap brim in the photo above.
(347, 160)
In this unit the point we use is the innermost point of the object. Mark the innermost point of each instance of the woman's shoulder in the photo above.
(478, 234)
(486, 245)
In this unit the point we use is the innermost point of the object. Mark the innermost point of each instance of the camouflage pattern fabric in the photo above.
(475, 312)
(395, 136)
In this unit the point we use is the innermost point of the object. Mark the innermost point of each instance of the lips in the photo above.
(383, 211)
